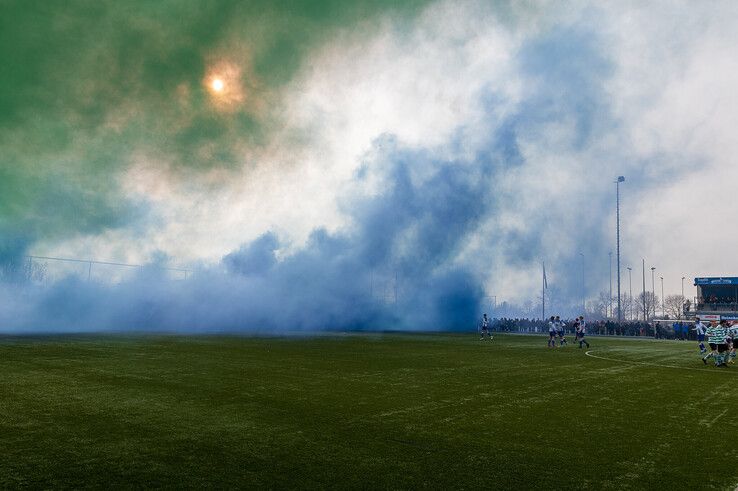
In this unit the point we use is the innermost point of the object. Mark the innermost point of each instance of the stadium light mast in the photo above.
(630, 283)
(617, 194)
(609, 300)
(681, 311)
(653, 289)
(663, 305)
(584, 307)
(645, 319)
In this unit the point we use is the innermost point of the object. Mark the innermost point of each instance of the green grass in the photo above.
(365, 411)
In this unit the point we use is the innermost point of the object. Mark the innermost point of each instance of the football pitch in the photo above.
(396, 411)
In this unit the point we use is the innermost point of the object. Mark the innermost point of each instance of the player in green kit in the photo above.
(716, 335)
(732, 341)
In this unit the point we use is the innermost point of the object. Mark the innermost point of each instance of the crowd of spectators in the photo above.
(680, 330)
(601, 327)
(716, 303)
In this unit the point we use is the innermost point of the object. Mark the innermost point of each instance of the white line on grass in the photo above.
(713, 420)
(589, 353)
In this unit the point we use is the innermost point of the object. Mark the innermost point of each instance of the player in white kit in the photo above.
(700, 330)
(560, 326)
(484, 328)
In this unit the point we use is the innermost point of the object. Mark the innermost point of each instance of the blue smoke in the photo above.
(408, 236)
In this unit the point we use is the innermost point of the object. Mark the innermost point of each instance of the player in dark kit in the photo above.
(581, 331)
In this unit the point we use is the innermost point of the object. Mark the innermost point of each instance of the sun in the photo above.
(217, 85)
(223, 84)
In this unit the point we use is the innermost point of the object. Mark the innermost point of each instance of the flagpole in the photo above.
(543, 292)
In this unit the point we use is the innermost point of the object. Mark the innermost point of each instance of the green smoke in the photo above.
(85, 85)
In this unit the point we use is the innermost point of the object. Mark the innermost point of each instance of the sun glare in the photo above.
(224, 85)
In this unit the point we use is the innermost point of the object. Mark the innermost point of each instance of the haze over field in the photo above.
(357, 165)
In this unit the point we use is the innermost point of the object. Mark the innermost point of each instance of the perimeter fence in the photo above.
(44, 270)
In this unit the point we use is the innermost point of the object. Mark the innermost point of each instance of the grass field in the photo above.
(364, 411)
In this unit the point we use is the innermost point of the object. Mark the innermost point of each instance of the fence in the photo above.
(45, 269)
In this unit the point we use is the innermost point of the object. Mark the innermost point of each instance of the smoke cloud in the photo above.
(379, 169)
(408, 237)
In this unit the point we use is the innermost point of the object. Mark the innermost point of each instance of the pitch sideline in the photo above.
(589, 353)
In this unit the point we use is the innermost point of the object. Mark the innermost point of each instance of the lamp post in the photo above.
(617, 194)
(609, 300)
(630, 286)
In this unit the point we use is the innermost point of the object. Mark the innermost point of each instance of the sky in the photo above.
(358, 165)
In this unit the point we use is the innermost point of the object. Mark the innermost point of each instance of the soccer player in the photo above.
(552, 332)
(484, 328)
(560, 326)
(700, 329)
(581, 331)
(716, 334)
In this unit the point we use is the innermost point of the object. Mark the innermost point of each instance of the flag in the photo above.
(545, 283)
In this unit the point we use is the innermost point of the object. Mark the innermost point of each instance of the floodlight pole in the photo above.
(630, 283)
(617, 193)
(645, 316)
(653, 290)
(609, 300)
(584, 307)
(681, 311)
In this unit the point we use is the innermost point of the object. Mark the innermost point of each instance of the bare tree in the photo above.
(674, 305)
(602, 304)
(629, 306)
(651, 301)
